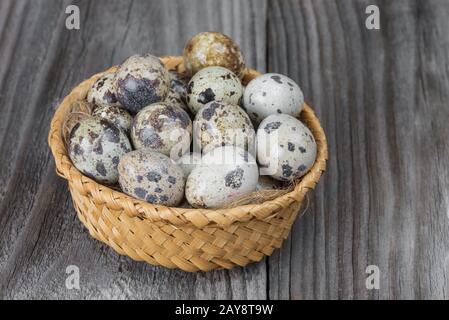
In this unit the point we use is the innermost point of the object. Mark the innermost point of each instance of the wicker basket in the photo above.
(188, 239)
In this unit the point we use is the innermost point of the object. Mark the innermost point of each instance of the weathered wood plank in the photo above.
(41, 61)
(383, 99)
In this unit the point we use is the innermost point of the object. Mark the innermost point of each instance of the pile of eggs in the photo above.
(200, 137)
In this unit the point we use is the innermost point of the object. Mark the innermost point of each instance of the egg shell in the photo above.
(272, 93)
(285, 147)
(213, 84)
(188, 162)
(96, 147)
(163, 128)
(116, 115)
(222, 124)
(225, 175)
(152, 177)
(213, 49)
(141, 81)
(103, 92)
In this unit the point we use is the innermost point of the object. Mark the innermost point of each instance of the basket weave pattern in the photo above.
(184, 238)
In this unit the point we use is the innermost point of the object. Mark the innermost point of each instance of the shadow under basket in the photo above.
(184, 238)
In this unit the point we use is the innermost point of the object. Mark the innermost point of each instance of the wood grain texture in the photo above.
(383, 98)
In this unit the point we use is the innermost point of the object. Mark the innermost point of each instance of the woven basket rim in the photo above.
(174, 215)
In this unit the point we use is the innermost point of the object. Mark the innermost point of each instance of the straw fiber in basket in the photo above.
(188, 239)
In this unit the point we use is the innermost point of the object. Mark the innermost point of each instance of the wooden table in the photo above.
(382, 96)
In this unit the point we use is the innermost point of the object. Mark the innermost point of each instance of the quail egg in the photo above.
(272, 93)
(188, 162)
(225, 175)
(223, 124)
(163, 128)
(96, 147)
(117, 116)
(213, 49)
(285, 147)
(102, 93)
(213, 84)
(140, 81)
(152, 177)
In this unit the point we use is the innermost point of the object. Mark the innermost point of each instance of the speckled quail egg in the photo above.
(222, 124)
(96, 147)
(268, 183)
(140, 81)
(163, 128)
(178, 83)
(285, 147)
(103, 93)
(188, 162)
(225, 175)
(213, 84)
(152, 177)
(213, 49)
(116, 115)
(272, 93)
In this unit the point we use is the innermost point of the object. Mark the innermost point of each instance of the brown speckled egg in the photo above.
(285, 147)
(102, 93)
(222, 124)
(118, 116)
(213, 49)
(213, 84)
(141, 81)
(96, 147)
(224, 175)
(163, 128)
(152, 177)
